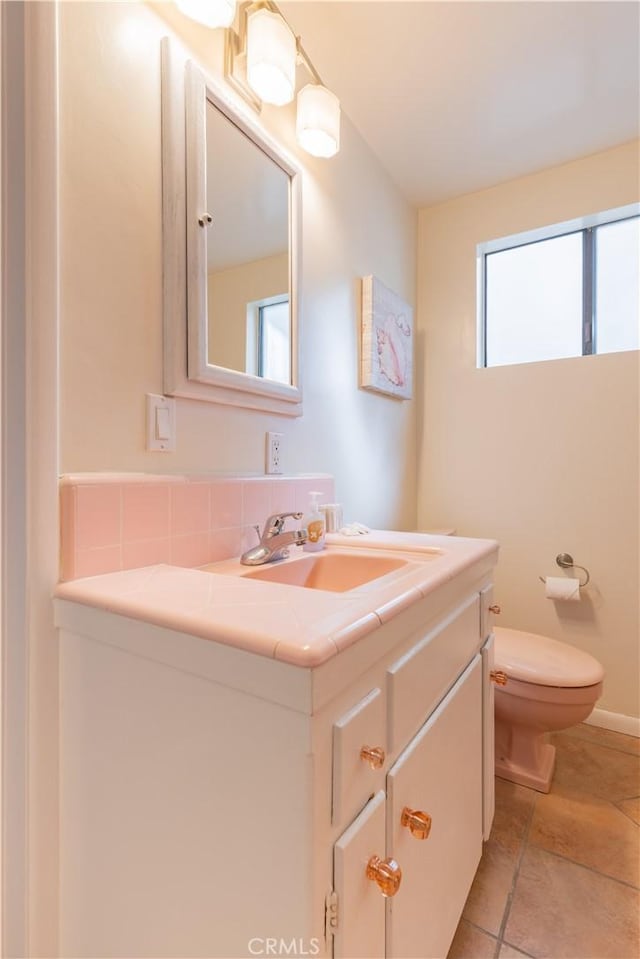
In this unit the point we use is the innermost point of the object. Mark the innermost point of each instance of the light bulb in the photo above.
(212, 13)
(318, 121)
(271, 57)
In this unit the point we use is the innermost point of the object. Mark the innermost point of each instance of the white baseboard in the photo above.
(618, 722)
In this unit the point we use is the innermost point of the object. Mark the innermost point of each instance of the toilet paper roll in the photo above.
(562, 587)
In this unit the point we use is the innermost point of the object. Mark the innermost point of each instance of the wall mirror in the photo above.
(231, 214)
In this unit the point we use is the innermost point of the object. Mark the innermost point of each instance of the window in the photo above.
(568, 290)
(274, 353)
(268, 340)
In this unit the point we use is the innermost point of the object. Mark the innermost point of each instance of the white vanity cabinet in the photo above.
(433, 833)
(434, 828)
(436, 780)
(217, 803)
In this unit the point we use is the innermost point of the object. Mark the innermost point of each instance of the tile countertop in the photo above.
(303, 627)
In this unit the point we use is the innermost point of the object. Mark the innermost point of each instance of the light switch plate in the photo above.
(161, 423)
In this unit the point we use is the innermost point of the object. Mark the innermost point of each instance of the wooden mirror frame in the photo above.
(187, 372)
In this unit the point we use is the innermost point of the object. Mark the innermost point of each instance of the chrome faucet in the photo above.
(274, 542)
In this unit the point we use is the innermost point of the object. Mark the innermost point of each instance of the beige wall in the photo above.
(228, 292)
(542, 456)
(354, 223)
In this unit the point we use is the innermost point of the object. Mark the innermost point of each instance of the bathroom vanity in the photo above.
(250, 765)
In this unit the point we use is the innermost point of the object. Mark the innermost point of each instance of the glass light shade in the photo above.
(212, 13)
(271, 57)
(318, 121)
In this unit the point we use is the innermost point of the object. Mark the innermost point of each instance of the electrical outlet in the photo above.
(274, 452)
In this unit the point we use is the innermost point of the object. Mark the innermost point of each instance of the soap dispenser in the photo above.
(314, 524)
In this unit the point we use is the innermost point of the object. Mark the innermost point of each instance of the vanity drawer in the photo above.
(359, 754)
(417, 681)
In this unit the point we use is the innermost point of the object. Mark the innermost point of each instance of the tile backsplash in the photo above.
(114, 521)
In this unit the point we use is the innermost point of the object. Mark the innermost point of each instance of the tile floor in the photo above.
(560, 875)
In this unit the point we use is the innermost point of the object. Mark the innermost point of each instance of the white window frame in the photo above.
(584, 225)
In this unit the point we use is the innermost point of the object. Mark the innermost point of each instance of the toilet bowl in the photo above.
(549, 686)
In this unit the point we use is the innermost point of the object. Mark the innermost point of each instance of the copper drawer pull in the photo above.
(387, 873)
(418, 823)
(498, 677)
(495, 609)
(374, 755)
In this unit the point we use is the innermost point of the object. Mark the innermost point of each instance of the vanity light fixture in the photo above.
(318, 120)
(271, 57)
(212, 13)
(261, 57)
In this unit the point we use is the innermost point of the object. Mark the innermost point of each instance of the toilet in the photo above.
(548, 686)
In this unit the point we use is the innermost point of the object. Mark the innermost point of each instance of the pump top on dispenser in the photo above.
(314, 524)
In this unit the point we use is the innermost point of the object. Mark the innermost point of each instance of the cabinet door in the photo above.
(488, 739)
(361, 919)
(440, 774)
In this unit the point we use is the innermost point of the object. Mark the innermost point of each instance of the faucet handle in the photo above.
(276, 521)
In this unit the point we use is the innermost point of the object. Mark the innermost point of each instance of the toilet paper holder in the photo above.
(565, 561)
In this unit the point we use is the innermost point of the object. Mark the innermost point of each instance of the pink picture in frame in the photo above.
(387, 341)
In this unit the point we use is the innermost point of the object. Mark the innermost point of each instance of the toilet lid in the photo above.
(544, 661)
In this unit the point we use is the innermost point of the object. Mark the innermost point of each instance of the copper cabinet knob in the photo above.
(387, 873)
(418, 823)
(498, 677)
(495, 609)
(374, 755)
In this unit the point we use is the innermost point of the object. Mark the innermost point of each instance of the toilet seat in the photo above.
(541, 661)
(569, 695)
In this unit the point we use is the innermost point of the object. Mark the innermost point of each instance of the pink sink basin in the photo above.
(334, 572)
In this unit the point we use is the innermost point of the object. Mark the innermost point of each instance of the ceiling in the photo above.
(457, 96)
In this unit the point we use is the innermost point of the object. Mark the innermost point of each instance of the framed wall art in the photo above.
(387, 341)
